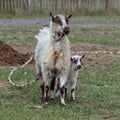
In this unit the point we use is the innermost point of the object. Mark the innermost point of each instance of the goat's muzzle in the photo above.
(66, 30)
(78, 67)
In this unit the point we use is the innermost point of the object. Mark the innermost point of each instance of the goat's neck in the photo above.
(72, 68)
(52, 29)
(57, 45)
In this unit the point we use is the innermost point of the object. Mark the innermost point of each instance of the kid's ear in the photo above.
(72, 59)
(83, 56)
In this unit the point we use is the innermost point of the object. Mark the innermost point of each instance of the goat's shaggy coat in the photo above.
(52, 54)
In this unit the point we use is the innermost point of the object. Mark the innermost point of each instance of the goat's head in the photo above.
(76, 61)
(60, 25)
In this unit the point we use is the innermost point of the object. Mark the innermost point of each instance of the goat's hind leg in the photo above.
(44, 87)
(52, 87)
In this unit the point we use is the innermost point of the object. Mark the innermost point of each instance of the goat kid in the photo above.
(76, 62)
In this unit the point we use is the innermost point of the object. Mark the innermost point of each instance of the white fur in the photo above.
(72, 75)
(45, 46)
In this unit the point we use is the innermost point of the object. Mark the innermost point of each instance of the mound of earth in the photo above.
(10, 56)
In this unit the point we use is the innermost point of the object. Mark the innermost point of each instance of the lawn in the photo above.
(97, 97)
(94, 33)
(98, 86)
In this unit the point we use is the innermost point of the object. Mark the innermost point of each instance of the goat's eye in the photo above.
(58, 20)
(75, 61)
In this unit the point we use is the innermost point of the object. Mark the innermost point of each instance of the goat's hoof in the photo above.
(45, 104)
(63, 104)
(51, 98)
(73, 99)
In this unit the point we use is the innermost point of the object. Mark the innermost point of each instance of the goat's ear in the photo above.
(71, 59)
(53, 19)
(69, 16)
(83, 56)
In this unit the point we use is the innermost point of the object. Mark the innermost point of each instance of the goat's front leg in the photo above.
(62, 89)
(44, 89)
(73, 85)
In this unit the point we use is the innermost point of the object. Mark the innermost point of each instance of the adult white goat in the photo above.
(52, 54)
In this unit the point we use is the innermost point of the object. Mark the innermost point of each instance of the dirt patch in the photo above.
(94, 62)
(2, 84)
(25, 48)
(19, 54)
(10, 56)
(75, 47)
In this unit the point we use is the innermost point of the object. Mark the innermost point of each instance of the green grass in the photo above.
(21, 34)
(5, 15)
(99, 33)
(97, 97)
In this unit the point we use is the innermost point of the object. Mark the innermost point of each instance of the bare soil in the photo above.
(14, 54)
(10, 56)
(3, 83)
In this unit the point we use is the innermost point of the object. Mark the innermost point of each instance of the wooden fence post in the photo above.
(59, 6)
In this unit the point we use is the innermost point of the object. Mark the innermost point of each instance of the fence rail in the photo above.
(67, 6)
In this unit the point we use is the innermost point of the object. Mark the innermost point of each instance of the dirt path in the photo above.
(75, 47)
(14, 54)
(92, 61)
(43, 21)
